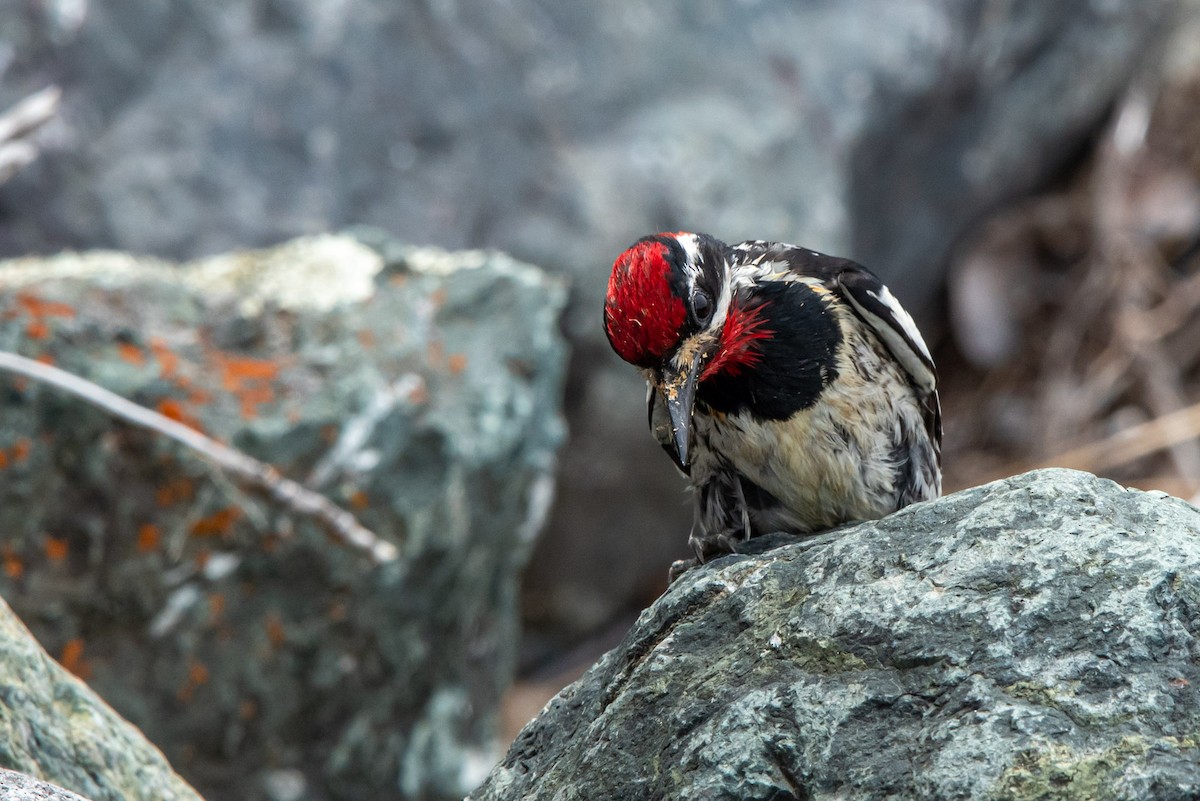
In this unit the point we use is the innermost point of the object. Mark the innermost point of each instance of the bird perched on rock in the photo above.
(791, 387)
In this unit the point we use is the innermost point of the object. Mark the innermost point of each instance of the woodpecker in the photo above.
(790, 387)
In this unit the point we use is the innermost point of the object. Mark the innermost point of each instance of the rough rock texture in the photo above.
(1037, 637)
(418, 388)
(560, 131)
(56, 729)
(22, 787)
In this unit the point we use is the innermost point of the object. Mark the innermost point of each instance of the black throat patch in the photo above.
(795, 362)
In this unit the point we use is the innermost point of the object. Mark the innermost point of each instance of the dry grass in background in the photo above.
(1077, 316)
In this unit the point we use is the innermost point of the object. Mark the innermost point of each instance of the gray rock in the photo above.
(1033, 638)
(561, 131)
(56, 729)
(21, 787)
(418, 388)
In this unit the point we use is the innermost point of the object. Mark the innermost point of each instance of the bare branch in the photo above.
(250, 472)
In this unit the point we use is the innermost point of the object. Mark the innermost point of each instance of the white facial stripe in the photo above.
(691, 260)
(691, 250)
(724, 300)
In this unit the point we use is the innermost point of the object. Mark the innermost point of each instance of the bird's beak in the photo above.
(679, 391)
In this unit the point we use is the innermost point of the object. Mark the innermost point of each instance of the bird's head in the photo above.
(670, 311)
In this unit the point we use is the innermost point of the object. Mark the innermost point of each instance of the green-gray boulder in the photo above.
(418, 388)
(1035, 638)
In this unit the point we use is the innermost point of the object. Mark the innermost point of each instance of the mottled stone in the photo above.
(1037, 637)
(54, 728)
(419, 389)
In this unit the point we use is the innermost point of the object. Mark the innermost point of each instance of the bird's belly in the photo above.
(827, 465)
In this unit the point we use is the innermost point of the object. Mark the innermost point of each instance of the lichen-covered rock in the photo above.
(418, 388)
(53, 727)
(1035, 638)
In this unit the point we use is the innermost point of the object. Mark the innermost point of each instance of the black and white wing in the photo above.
(873, 303)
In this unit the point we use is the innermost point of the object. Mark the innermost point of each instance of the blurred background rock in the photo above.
(419, 389)
(1023, 174)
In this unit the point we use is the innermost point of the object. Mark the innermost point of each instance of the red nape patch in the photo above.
(742, 328)
(642, 316)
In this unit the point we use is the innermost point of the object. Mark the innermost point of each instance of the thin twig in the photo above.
(251, 472)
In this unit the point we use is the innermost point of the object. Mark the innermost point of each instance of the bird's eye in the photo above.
(702, 305)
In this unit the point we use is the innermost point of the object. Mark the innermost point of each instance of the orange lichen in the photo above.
(456, 363)
(251, 397)
(36, 307)
(366, 338)
(246, 379)
(37, 329)
(238, 371)
(275, 631)
(168, 362)
(174, 491)
(173, 409)
(248, 709)
(218, 524)
(248, 369)
(20, 449)
(216, 605)
(131, 353)
(72, 659)
(359, 499)
(148, 537)
(38, 310)
(14, 566)
(197, 676)
(3, 459)
(169, 407)
(197, 673)
(57, 548)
